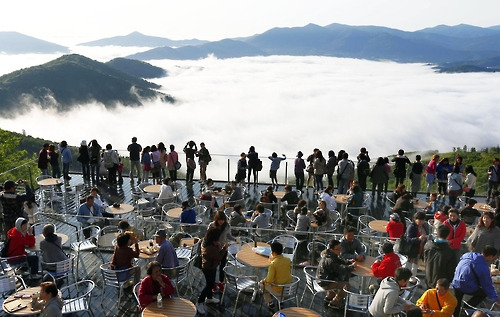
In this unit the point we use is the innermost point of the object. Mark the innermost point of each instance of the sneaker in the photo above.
(200, 308)
(212, 300)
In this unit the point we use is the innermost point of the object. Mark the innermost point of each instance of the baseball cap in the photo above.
(395, 216)
(161, 233)
(9, 184)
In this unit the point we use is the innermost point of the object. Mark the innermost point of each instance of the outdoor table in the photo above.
(172, 307)
(152, 189)
(342, 200)
(40, 237)
(378, 225)
(144, 244)
(297, 312)
(364, 270)
(49, 182)
(482, 207)
(420, 204)
(106, 240)
(123, 209)
(12, 303)
(249, 257)
(174, 212)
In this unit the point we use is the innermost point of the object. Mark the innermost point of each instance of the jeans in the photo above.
(66, 170)
(189, 175)
(492, 185)
(135, 165)
(209, 282)
(173, 175)
(45, 171)
(318, 179)
(203, 171)
(343, 185)
(56, 171)
(330, 179)
(86, 171)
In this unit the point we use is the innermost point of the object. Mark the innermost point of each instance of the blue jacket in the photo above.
(473, 272)
(188, 216)
(66, 155)
(83, 215)
(275, 162)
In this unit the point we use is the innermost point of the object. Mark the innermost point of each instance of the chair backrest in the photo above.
(62, 268)
(136, 293)
(77, 296)
(411, 287)
(288, 291)
(289, 242)
(110, 229)
(291, 218)
(38, 227)
(240, 202)
(8, 284)
(115, 277)
(147, 212)
(310, 274)
(363, 227)
(178, 273)
(357, 302)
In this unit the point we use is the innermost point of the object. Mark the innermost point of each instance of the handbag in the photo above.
(177, 165)
(310, 168)
(467, 189)
(403, 245)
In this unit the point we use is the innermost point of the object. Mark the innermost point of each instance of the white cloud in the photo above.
(286, 104)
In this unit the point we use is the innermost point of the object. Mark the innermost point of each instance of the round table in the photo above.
(11, 303)
(152, 189)
(420, 204)
(297, 312)
(49, 182)
(40, 237)
(341, 198)
(144, 244)
(279, 195)
(364, 270)
(174, 212)
(483, 207)
(172, 307)
(123, 209)
(378, 225)
(248, 257)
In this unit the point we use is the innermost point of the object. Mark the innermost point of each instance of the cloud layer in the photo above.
(285, 104)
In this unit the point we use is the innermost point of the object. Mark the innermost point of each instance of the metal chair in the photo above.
(290, 215)
(105, 235)
(333, 221)
(357, 302)
(60, 270)
(288, 292)
(312, 284)
(289, 243)
(238, 283)
(136, 296)
(8, 285)
(76, 297)
(38, 227)
(116, 278)
(315, 248)
(178, 274)
(78, 243)
(363, 225)
(10, 264)
(410, 289)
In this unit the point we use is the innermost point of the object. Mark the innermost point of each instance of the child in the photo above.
(432, 206)
(395, 227)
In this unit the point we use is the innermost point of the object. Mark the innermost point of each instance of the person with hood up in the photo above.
(387, 301)
(53, 303)
(20, 237)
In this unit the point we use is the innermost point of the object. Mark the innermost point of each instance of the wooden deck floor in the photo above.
(62, 215)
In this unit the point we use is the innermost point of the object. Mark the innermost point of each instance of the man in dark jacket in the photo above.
(12, 204)
(335, 268)
(439, 258)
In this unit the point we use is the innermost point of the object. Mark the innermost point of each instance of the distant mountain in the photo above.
(137, 68)
(139, 39)
(17, 43)
(223, 49)
(461, 30)
(438, 45)
(71, 80)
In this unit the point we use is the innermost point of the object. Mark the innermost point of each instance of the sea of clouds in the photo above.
(283, 104)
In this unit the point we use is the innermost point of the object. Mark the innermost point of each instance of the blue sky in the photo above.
(71, 22)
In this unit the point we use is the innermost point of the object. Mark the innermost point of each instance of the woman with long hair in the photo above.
(156, 164)
(220, 222)
(146, 163)
(455, 185)
(486, 233)
(163, 158)
(417, 233)
(253, 158)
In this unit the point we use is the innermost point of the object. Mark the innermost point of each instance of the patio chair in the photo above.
(312, 284)
(78, 243)
(136, 296)
(60, 270)
(76, 297)
(178, 274)
(357, 302)
(289, 243)
(119, 279)
(13, 263)
(288, 292)
(238, 283)
(8, 285)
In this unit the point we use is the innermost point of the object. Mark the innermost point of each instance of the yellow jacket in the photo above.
(279, 271)
(448, 303)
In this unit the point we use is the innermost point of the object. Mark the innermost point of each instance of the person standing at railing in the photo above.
(134, 150)
(54, 161)
(43, 159)
(275, 165)
(84, 159)
(300, 165)
(203, 159)
(172, 161)
(66, 158)
(253, 159)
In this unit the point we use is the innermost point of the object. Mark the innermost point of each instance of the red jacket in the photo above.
(150, 289)
(395, 229)
(386, 267)
(457, 234)
(18, 242)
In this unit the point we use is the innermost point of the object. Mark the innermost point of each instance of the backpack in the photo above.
(191, 163)
(258, 165)
(4, 252)
(108, 160)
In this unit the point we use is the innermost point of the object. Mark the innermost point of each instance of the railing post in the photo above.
(228, 170)
(286, 173)
(31, 177)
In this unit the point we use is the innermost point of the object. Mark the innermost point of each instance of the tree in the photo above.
(14, 163)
